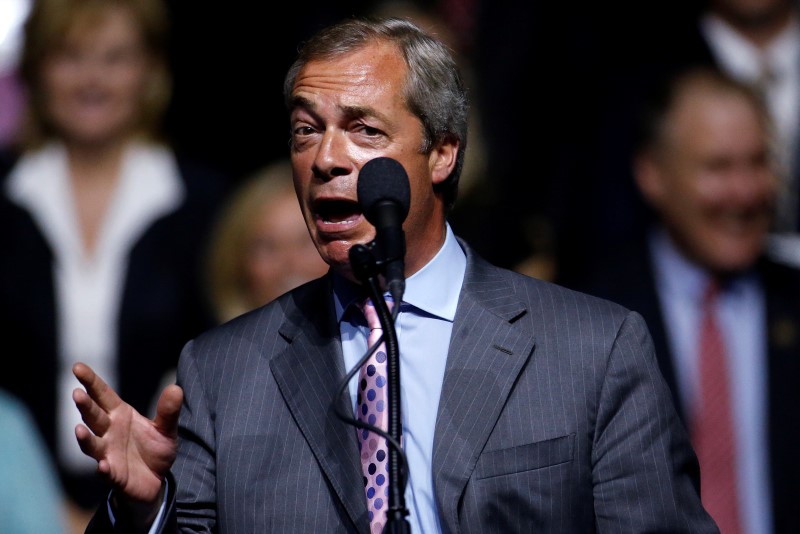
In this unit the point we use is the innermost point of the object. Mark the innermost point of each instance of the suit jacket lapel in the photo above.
(488, 349)
(308, 374)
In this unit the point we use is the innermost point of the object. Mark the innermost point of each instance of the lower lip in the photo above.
(327, 227)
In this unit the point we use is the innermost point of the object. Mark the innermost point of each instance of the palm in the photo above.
(133, 452)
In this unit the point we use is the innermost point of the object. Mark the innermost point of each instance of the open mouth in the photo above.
(337, 212)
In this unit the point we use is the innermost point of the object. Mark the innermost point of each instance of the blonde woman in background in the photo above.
(260, 247)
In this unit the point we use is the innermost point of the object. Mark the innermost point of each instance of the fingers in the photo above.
(95, 418)
(90, 444)
(168, 410)
(105, 397)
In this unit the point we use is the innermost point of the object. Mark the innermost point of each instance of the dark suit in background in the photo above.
(630, 281)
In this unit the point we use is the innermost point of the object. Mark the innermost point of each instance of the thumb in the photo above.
(168, 410)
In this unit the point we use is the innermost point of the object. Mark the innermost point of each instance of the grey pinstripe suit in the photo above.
(553, 418)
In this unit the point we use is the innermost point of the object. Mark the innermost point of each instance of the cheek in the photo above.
(301, 178)
(692, 194)
(708, 189)
(684, 214)
(129, 88)
(58, 81)
(423, 198)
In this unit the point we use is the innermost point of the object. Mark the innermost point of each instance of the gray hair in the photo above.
(434, 90)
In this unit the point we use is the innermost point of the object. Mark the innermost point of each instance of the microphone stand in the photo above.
(366, 268)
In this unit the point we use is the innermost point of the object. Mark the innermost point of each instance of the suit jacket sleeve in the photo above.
(645, 474)
(101, 521)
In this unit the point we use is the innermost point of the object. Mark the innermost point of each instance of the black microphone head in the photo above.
(383, 180)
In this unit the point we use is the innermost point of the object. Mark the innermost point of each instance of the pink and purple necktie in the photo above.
(372, 408)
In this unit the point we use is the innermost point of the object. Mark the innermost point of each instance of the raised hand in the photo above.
(133, 453)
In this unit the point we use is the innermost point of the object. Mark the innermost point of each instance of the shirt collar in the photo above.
(434, 289)
(742, 57)
(674, 272)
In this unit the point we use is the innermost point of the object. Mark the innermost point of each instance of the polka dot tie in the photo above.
(372, 408)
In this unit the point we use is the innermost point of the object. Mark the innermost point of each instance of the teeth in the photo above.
(346, 221)
(337, 212)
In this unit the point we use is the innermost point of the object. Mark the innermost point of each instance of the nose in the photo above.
(332, 157)
(90, 66)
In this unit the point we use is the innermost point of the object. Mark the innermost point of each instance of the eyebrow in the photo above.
(301, 102)
(351, 112)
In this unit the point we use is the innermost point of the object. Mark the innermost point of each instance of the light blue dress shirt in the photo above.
(423, 327)
(741, 310)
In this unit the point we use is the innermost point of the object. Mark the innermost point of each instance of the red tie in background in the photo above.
(713, 423)
(372, 408)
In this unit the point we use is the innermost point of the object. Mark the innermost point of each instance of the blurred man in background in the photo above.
(724, 316)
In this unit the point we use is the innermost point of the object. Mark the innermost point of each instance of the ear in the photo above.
(442, 160)
(649, 177)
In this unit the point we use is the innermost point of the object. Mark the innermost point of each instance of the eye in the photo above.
(68, 56)
(302, 130)
(302, 134)
(122, 56)
(367, 130)
(368, 135)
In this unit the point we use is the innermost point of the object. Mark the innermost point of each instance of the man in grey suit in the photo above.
(526, 406)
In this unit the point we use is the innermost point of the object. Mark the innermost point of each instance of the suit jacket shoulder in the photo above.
(547, 387)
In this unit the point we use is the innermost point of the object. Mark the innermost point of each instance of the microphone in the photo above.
(385, 197)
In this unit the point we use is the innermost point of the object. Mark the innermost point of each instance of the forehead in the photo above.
(716, 116)
(117, 23)
(373, 73)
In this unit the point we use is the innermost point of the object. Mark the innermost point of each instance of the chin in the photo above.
(93, 137)
(336, 255)
(733, 263)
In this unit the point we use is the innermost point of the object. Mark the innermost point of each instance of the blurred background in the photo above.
(547, 80)
(543, 75)
(551, 84)
(557, 90)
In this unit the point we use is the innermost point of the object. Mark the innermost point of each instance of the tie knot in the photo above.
(711, 292)
(371, 314)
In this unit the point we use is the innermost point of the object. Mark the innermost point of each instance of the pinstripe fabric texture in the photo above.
(631, 282)
(553, 418)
